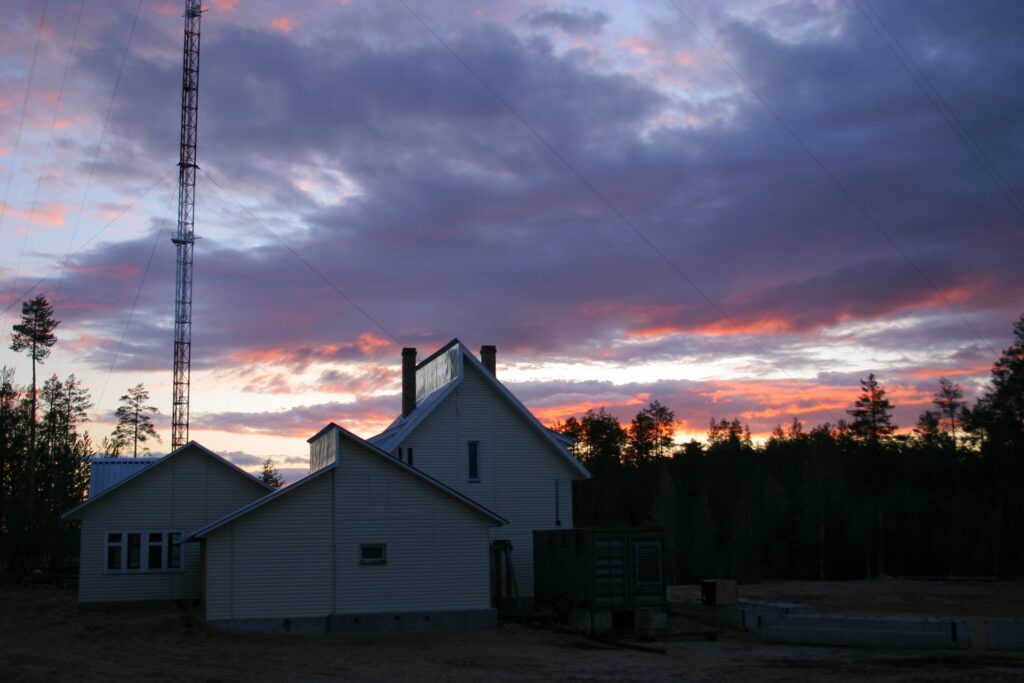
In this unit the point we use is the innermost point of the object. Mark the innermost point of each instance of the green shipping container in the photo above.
(615, 569)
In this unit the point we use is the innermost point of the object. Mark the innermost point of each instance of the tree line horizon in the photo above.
(842, 500)
(852, 499)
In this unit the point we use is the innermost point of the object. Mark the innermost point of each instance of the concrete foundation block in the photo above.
(383, 622)
(880, 632)
(1000, 634)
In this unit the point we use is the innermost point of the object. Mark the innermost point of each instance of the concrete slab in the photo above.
(881, 632)
(999, 634)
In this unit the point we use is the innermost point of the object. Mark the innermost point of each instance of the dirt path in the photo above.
(44, 638)
(1002, 599)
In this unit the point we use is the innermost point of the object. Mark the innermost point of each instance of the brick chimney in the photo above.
(489, 357)
(408, 381)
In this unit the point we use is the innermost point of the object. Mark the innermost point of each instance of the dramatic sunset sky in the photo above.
(739, 208)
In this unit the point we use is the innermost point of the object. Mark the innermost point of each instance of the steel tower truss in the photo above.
(184, 238)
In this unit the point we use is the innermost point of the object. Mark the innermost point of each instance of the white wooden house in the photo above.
(138, 515)
(364, 542)
(463, 427)
(398, 531)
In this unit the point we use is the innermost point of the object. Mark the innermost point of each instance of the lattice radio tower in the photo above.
(184, 238)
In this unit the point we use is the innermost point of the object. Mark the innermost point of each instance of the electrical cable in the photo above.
(24, 110)
(941, 106)
(135, 303)
(835, 180)
(304, 262)
(63, 263)
(49, 141)
(604, 200)
(103, 134)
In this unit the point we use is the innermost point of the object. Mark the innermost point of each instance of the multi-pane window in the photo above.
(474, 461)
(143, 551)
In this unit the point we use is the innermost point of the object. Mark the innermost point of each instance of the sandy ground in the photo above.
(44, 638)
(887, 596)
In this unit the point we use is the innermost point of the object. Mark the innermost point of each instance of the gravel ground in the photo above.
(933, 598)
(44, 638)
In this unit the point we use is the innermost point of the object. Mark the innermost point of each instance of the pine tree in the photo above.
(872, 416)
(949, 399)
(134, 421)
(270, 475)
(999, 412)
(34, 334)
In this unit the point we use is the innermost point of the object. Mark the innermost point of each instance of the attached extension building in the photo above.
(429, 523)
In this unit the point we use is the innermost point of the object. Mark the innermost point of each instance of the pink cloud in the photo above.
(285, 23)
(167, 9)
(225, 5)
(46, 214)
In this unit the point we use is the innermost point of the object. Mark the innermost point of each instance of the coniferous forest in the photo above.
(834, 501)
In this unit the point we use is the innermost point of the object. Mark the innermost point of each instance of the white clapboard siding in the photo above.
(518, 465)
(182, 494)
(275, 561)
(437, 547)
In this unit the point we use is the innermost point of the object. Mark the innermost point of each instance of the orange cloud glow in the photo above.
(167, 9)
(225, 5)
(634, 44)
(717, 328)
(285, 23)
(366, 345)
(47, 214)
(935, 373)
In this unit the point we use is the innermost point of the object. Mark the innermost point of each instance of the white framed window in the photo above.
(143, 552)
(373, 553)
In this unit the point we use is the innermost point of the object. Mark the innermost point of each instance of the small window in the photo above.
(155, 551)
(399, 453)
(134, 551)
(373, 553)
(114, 552)
(408, 454)
(474, 461)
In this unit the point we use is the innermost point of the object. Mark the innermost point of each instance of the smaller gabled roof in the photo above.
(403, 426)
(322, 432)
(387, 457)
(259, 502)
(75, 511)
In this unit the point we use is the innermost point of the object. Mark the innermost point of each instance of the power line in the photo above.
(24, 110)
(49, 141)
(56, 113)
(603, 199)
(941, 105)
(835, 180)
(135, 303)
(63, 263)
(304, 262)
(103, 134)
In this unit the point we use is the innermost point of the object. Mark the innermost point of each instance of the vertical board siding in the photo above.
(184, 493)
(437, 547)
(275, 561)
(518, 465)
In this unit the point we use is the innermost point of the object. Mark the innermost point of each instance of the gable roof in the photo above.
(75, 512)
(387, 457)
(403, 426)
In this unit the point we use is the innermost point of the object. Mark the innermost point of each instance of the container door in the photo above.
(610, 571)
